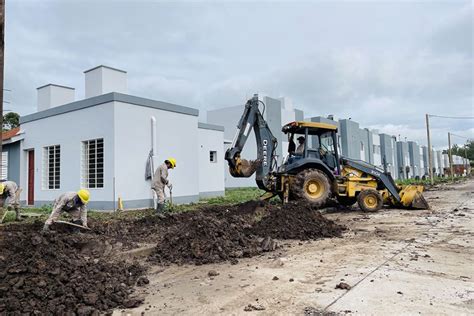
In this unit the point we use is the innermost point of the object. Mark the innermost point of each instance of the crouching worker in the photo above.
(9, 199)
(160, 180)
(72, 203)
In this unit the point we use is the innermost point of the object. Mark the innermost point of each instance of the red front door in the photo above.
(31, 177)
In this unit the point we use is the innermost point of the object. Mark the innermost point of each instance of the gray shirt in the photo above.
(160, 178)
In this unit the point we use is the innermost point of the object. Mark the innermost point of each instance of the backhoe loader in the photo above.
(317, 173)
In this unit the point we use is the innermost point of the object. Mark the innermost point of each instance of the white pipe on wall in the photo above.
(153, 135)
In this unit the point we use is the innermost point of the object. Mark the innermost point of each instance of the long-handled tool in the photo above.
(171, 199)
(72, 224)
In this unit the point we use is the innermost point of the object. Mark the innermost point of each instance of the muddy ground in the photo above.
(62, 272)
(392, 262)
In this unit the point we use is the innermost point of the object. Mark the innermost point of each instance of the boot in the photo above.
(160, 209)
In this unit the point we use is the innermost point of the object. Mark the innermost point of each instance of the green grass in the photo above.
(232, 196)
(436, 180)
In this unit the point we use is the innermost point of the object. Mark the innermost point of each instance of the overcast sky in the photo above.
(384, 64)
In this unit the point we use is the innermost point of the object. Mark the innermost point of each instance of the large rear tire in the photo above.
(311, 185)
(370, 200)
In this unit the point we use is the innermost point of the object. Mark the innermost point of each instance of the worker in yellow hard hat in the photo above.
(160, 180)
(9, 199)
(72, 203)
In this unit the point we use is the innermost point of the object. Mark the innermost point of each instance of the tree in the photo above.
(467, 148)
(10, 121)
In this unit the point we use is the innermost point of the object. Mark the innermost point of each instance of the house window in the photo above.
(4, 170)
(93, 163)
(51, 167)
(213, 156)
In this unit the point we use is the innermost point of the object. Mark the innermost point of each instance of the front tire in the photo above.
(311, 185)
(370, 200)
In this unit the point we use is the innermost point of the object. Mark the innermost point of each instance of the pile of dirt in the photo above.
(202, 238)
(62, 274)
(220, 233)
(295, 221)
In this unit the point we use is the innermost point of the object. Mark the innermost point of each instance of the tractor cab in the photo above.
(312, 141)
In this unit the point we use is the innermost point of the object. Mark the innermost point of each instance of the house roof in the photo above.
(106, 98)
(104, 66)
(210, 127)
(9, 134)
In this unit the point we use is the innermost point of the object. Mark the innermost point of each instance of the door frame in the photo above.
(30, 175)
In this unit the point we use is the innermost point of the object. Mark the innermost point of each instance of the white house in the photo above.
(103, 143)
(211, 160)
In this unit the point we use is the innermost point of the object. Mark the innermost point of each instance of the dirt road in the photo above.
(396, 262)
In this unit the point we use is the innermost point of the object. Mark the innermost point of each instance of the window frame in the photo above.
(4, 166)
(46, 177)
(213, 154)
(98, 182)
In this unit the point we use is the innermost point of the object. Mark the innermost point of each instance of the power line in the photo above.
(453, 117)
(460, 136)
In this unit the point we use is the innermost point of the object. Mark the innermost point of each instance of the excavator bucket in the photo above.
(412, 197)
(244, 168)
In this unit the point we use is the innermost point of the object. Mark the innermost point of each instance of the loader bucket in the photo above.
(412, 197)
(244, 168)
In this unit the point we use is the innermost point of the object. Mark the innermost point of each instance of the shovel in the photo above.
(171, 199)
(72, 224)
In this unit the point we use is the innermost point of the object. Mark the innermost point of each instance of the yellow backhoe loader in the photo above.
(315, 173)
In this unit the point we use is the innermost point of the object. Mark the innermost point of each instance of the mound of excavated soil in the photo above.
(203, 238)
(219, 233)
(295, 221)
(59, 274)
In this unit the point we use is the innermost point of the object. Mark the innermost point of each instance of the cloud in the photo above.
(384, 64)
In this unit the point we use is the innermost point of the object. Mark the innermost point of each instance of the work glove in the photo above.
(170, 186)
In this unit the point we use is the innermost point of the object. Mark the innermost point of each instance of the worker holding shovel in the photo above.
(160, 180)
(72, 203)
(9, 195)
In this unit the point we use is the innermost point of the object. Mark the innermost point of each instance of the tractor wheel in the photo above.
(312, 186)
(346, 200)
(370, 200)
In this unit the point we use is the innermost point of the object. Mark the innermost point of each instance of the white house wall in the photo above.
(176, 137)
(229, 118)
(69, 130)
(211, 174)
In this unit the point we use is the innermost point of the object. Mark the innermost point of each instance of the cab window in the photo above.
(327, 143)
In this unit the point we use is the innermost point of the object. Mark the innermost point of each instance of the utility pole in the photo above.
(450, 157)
(466, 161)
(2, 59)
(430, 158)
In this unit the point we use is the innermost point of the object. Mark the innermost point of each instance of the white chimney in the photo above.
(52, 95)
(103, 79)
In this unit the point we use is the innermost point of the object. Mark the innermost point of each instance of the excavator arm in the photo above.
(266, 145)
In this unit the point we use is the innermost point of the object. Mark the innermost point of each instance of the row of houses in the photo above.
(403, 159)
(110, 141)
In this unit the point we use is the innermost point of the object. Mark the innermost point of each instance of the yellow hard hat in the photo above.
(2, 188)
(83, 195)
(172, 162)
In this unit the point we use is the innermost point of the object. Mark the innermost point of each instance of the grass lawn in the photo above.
(232, 196)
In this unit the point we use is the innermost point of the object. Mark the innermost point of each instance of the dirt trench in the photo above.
(85, 274)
